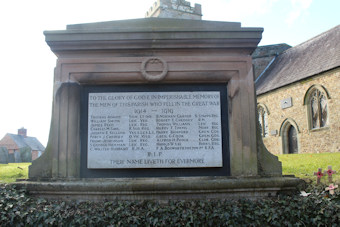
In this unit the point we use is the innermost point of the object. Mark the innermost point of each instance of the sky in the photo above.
(27, 63)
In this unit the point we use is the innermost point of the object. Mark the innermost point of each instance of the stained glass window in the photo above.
(318, 109)
(263, 120)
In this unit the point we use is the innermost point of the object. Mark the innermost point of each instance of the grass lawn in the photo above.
(304, 165)
(12, 171)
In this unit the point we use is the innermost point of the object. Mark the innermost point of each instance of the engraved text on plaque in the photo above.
(154, 130)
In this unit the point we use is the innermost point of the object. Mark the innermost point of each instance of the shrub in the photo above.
(318, 209)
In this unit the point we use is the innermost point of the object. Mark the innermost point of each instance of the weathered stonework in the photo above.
(111, 56)
(321, 140)
(179, 9)
(163, 189)
(191, 52)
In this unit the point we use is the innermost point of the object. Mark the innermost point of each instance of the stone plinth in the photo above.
(163, 189)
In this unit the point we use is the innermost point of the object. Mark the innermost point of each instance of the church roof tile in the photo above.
(317, 55)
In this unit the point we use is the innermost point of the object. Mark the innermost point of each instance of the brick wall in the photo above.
(309, 141)
(8, 142)
(35, 155)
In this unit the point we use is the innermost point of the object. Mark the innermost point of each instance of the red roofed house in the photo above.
(22, 148)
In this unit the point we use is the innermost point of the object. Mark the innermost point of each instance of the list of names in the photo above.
(154, 130)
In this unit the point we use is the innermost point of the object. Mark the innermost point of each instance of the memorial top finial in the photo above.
(179, 9)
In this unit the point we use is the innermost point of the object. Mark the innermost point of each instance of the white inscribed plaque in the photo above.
(154, 130)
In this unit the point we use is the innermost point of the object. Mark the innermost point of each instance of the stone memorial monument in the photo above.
(155, 108)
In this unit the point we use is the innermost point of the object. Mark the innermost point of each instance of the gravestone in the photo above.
(155, 108)
(3, 155)
(26, 154)
(11, 157)
(17, 156)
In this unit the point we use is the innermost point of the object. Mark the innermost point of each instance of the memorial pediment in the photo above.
(153, 33)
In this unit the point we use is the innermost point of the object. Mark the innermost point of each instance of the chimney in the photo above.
(22, 132)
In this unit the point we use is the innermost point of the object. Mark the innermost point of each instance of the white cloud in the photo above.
(299, 7)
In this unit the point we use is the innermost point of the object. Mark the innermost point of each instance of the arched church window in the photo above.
(318, 109)
(263, 120)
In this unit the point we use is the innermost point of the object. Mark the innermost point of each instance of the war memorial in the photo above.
(155, 108)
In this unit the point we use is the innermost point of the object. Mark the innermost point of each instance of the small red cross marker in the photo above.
(319, 174)
(330, 172)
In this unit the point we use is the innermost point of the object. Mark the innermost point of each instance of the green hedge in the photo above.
(318, 209)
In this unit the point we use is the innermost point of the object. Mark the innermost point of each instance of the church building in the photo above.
(298, 96)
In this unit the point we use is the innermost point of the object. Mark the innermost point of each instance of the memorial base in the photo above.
(162, 189)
